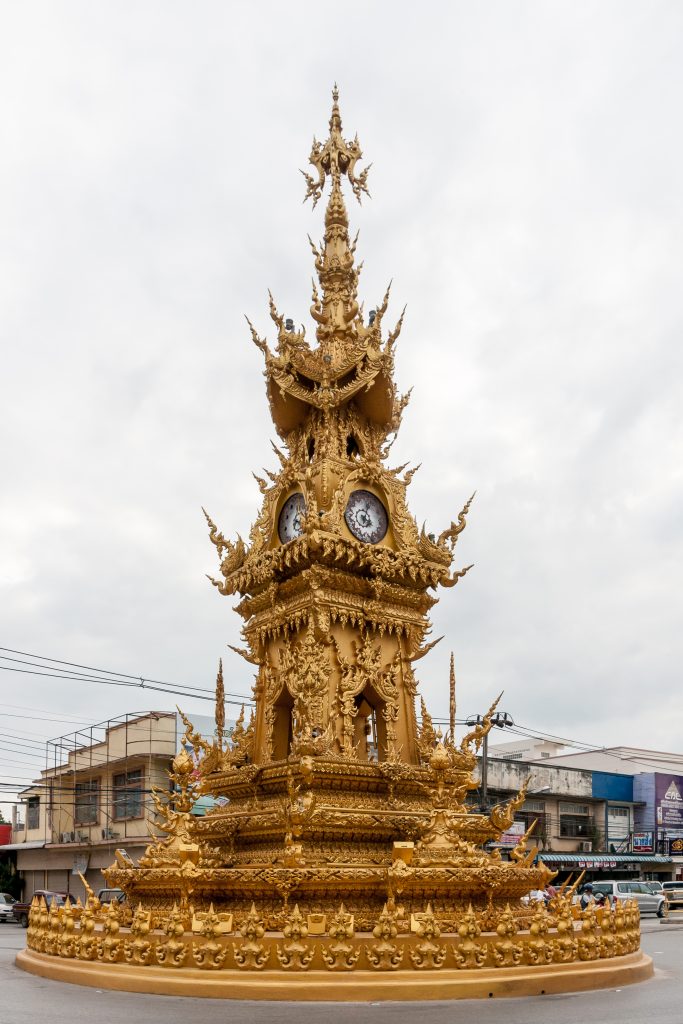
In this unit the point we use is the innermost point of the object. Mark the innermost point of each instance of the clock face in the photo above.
(366, 517)
(291, 522)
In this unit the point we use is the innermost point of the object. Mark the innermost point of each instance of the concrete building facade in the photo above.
(93, 797)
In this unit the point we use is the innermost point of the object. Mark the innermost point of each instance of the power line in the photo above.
(27, 737)
(40, 718)
(142, 685)
(29, 707)
(119, 678)
(582, 747)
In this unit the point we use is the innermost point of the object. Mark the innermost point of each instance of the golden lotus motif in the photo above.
(340, 819)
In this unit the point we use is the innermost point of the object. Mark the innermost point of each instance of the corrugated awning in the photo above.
(600, 859)
(23, 846)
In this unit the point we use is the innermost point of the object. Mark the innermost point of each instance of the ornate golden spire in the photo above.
(335, 158)
(352, 361)
(336, 312)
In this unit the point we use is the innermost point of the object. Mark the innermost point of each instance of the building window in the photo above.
(33, 812)
(86, 802)
(127, 801)
(575, 822)
(529, 817)
(618, 823)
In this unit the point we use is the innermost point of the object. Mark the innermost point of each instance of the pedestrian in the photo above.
(587, 895)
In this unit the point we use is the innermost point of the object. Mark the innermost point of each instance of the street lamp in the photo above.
(501, 720)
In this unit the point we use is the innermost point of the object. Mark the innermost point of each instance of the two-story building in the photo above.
(93, 797)
(584, 818)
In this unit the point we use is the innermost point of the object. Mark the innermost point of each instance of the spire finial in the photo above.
(335, 117)
(334, 158)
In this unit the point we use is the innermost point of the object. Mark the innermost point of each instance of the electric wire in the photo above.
(118, 678)
(579, 745)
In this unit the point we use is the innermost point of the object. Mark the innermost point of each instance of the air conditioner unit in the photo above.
(586, 846)
(67, 837)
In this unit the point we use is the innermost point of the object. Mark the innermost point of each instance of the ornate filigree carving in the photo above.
(469, 952)
(341, 953)
(506, 953)
(538, 949)
(385, 955)
(251, 954)
(210, 954)
(139, 949)
(173, 952)
(428, 953)
(66, 945)
(295, 953)
(111, 946)
(87, 943)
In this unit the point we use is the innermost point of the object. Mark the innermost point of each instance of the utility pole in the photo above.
(501, 720)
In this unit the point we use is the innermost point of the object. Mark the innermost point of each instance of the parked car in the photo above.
(6, 904)
(673, 892)
(111, 896)
(655, 886)
(648, 901)
(20, 910)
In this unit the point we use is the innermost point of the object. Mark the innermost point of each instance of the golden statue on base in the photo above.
(340, 844)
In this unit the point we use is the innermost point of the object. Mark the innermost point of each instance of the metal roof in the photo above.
(603, 858)
(35, 845)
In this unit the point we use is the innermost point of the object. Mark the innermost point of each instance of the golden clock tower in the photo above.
(335, 580)
(340, 839)
(333, 791)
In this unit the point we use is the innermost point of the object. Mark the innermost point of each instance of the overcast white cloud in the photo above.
(527, 201)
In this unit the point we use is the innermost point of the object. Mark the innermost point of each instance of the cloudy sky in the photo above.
(527, 202)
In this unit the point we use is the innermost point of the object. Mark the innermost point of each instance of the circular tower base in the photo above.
(356, 986)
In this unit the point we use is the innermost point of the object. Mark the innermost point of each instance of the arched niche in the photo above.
(282, 725)
(369, 726)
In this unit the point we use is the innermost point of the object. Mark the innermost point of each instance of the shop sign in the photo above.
(80, 866)
(669, 800)
(676, 847)
(597, 864)
(513, 834)
(643, 842)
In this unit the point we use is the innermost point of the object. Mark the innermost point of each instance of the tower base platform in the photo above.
(357, 986)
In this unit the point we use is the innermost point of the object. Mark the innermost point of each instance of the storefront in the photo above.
(599, 866)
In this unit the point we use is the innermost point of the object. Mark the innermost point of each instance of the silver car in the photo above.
(649, 902)
(6, 904)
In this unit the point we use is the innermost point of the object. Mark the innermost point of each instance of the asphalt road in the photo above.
(31, 1000)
